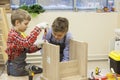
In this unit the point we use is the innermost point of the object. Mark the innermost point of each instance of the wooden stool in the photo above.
(75, 69)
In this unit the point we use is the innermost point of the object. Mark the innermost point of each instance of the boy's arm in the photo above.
(66, 50)
(29, 40)
(66, 53)
(33, 48)
(47, 36)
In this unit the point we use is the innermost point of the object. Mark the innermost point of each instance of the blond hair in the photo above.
(20, 15)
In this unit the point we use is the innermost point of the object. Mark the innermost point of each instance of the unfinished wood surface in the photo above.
(69, 68)
(82, 58)
(1, 56)
(72, 50)
(51, 61)
(4, 21)
(75, 69)
(3, 32)
(3, 47)
(76, 77)
(5, 4)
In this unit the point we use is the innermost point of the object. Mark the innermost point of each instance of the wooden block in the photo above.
(76, 77)
(75, 69)
(78, 50)
(50, 59)
(68, 68)
(0, 32)
(4, 28)
(2, 2)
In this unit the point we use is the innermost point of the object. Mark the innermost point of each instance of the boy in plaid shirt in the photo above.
(18, 44)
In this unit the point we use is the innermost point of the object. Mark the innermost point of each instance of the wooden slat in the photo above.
(5, 27)
(75, 69)
(69, 68)
(50, 59)
(0, 49)
(78, 50)
(1, 56)
(4, 1)
(3, 33)
(0, 31)
(75, 77)
(5, 4)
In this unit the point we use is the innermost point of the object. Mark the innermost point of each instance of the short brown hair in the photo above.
(60, 24)
(20, 15)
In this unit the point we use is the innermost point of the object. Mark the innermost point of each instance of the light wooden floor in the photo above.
(4, 76)
(104, 66)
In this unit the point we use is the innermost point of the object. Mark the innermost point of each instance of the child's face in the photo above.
(58, 35)
(22, 26)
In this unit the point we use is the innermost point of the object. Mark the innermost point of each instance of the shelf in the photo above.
(0, 32)
(5, 4)
(3, 33)
(0, 50)
(7, 8)
(1, 44)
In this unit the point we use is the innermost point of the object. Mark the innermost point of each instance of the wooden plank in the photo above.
(3, 47)
(68, 68)
(50, 61)
(5, 28)
(1, 56)
(3, 32)
(5, 4)
(55, 70)
(78, 50)
(76, 77)
(4, 1)
(72, 49)
(0, 31)
(0, 20)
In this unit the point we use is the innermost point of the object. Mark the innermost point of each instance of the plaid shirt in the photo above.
(16, 43)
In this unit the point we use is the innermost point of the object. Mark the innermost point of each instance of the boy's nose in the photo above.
(56, 37)
(26, 26)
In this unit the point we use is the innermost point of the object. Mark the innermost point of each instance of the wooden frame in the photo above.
(75, 69)
(4, 28)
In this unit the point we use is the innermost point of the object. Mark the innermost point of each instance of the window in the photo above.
(91, 4)
(66, 4)
(56, 4)
(28, 2)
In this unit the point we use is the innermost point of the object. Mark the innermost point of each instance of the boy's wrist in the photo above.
(39, 28)
(42, 25)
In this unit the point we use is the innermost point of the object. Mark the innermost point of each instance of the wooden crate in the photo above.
(75, 69)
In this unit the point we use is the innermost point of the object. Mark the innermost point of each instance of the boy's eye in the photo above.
(26, 23)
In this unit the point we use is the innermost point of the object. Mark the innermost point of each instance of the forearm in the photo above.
(33, 48)
(29, 40)
(66, 55)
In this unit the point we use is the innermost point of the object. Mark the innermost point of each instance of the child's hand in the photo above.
(39, 44)
(42, 25)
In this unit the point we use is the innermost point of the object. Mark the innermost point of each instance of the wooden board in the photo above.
(51, 61)
(75, 69)
(4, 28)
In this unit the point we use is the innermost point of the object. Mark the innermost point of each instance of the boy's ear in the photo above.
(17, 22)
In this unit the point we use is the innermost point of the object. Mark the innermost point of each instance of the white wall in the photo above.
(95, 28)
(117, 5)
